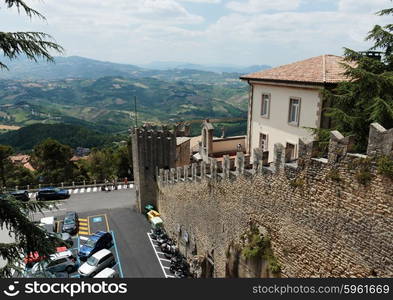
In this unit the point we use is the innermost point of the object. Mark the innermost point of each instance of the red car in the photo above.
(33, 258)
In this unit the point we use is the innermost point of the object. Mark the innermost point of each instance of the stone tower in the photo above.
(152, 149)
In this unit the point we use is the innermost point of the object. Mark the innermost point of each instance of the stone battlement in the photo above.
(325, 216)
(380, 143)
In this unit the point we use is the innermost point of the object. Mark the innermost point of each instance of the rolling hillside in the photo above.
(107, 103)
(27, 137)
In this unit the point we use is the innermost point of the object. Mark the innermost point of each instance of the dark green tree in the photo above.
(102, 164)
(5, 152)
(123, 158)
(51, 159)
(26, 237)
(368, 96)
(33, 45)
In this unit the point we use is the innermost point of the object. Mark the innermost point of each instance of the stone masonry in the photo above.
(326, 217)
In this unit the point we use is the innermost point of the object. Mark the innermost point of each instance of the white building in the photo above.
(286, 100)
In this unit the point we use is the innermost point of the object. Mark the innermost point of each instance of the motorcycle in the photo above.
(157, 233)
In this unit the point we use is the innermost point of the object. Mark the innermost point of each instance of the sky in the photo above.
(238, 32)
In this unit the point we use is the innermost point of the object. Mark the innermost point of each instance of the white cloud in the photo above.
(256, 6)
(363, 6)
(140, 31)
(201, 1)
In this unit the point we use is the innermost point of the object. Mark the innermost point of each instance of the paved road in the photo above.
(134, 248)
(92, 201)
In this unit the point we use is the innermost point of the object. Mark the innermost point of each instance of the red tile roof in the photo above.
(318, 70)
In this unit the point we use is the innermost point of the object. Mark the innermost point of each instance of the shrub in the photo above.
(385, 166)
(260, 246)
(297, 183)
(334, 175)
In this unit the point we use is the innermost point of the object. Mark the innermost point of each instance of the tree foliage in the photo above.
(5, 152)
(33, 45)
(27, 237)
(368, 96)
(51, 159)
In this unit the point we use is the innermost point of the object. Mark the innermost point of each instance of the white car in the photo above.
(97, 262)
(107, 273)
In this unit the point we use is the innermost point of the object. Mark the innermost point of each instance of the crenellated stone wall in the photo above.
(326, 217)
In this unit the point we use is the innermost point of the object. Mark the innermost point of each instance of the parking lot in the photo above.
(113, 212)
(88, 225)
(163, 261)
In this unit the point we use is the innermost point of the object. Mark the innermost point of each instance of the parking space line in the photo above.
(159, 259)
(106, 221)
(117, 255)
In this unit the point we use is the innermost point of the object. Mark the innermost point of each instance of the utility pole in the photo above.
(135, 112)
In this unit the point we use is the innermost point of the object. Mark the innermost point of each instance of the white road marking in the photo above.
(51, 210)
(83, 238)
(159, 259)
(164, 259)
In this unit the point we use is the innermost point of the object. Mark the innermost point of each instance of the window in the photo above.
(263, 142)
(265, 106)
(294, 111)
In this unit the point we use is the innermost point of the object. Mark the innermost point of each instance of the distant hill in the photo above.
(217, 68)
(65, 67)
(85, 68)
(27, 137)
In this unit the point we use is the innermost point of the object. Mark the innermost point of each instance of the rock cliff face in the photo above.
(325, 217)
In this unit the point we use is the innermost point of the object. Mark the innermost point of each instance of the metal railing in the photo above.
(65, 185)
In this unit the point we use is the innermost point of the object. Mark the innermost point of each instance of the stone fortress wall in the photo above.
(326, 217)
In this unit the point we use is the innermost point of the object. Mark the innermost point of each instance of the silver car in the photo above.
(59, 262)
(97, 262)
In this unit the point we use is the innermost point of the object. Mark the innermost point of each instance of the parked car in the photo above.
(52, 194)
(97, 262)
(152, 214)
(107, 273)
(48, 223)
(59, 262)
(34, 257)
(21, 195)
(70, 223)
(99, 240)
(62, 239)
(47, 274)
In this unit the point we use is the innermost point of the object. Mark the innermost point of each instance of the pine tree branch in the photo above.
(20, 4)
(32, 44)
